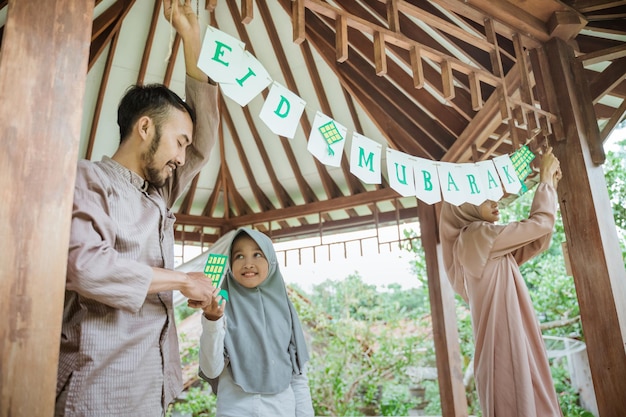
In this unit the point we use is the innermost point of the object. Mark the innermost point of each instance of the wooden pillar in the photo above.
(43, 67)
(443, 311)
(593, 245)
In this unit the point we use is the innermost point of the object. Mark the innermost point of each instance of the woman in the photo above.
(253, 344)
(482, 262)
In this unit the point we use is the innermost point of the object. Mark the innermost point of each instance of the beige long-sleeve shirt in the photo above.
(119, 349)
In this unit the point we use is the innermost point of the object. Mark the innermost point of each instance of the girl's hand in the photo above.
(214, 309)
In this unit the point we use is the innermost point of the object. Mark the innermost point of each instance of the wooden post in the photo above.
(592, 242)
(443, 311)
(43, 67)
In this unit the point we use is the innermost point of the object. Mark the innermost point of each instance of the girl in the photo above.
(252, 347)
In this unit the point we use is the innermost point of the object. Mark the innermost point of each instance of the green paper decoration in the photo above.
(331, 134)
(214, 269)
(521, 160)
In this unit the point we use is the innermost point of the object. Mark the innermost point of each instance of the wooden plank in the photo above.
(43, 70)
(305, 190)
(392, 16)
(545, 87)
(341, 39)
(592, 241)
(417, 66)
(298, 22)
(398, 39)
(477, 99)
(447, 80)
(443, 311)
(380, 54)
(247, 11)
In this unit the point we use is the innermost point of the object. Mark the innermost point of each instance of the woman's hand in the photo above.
(550, 170)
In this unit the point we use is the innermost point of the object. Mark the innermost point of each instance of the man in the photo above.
(119, 349)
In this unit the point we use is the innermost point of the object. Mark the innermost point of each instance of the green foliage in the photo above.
(182, 311)
(362, 342)
(197, 402)
(615, 174)
(364, 339)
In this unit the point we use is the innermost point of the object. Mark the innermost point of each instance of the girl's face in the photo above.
(248, 262)
(489, 212)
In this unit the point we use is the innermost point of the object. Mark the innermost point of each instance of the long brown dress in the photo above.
(481, 259)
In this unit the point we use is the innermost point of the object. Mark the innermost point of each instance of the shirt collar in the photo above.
(130, 176)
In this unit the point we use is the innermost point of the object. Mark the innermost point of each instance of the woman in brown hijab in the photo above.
(482, 262)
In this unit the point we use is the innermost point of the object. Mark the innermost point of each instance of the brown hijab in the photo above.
(466, 241)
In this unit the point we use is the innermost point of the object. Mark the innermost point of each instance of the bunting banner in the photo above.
(400, 172)
(251, 78)
(327, 140)
(427, 181)
(242, 77)
(365, 157)
(220, 56)
(282, 110)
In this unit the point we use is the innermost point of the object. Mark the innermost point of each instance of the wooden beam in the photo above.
(247, 11)
(444, 320)
(592, 241)
(330, 186)
(43, 69)
(339, 203)
(616, 117)
(305, 189)
(399, 40)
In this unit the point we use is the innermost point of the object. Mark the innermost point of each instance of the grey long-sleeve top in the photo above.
(232, 401)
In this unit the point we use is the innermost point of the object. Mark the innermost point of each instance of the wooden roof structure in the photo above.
(446, 80)
(425, 78)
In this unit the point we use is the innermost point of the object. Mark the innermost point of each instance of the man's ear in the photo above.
(143, 126)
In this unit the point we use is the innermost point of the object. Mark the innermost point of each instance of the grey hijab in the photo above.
(264, 342)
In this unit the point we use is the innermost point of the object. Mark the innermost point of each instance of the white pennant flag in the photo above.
(282, 110)
(427, 186)
(220, 55)
(477, 192)
(250, 77)
(327, 140)
(400, 172)
(453, 183)
(365, 159)
(490, 180)
(510, 180)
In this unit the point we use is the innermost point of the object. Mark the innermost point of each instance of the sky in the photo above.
(379, 261)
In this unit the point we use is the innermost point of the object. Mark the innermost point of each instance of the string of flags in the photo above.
(242, 77)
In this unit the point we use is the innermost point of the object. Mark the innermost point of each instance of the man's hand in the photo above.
(198, 287)
(182, 16)
(185, 22)
(213, 308)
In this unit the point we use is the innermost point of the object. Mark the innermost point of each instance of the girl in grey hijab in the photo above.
(252, 346)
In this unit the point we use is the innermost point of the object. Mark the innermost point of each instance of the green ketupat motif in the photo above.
(214, 269)
(331, 135)
(521, 160)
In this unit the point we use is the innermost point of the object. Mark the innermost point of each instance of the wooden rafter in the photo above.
(261, 199)
(305, 190)
(330, 187)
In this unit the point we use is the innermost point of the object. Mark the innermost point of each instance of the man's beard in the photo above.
(154, 175)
